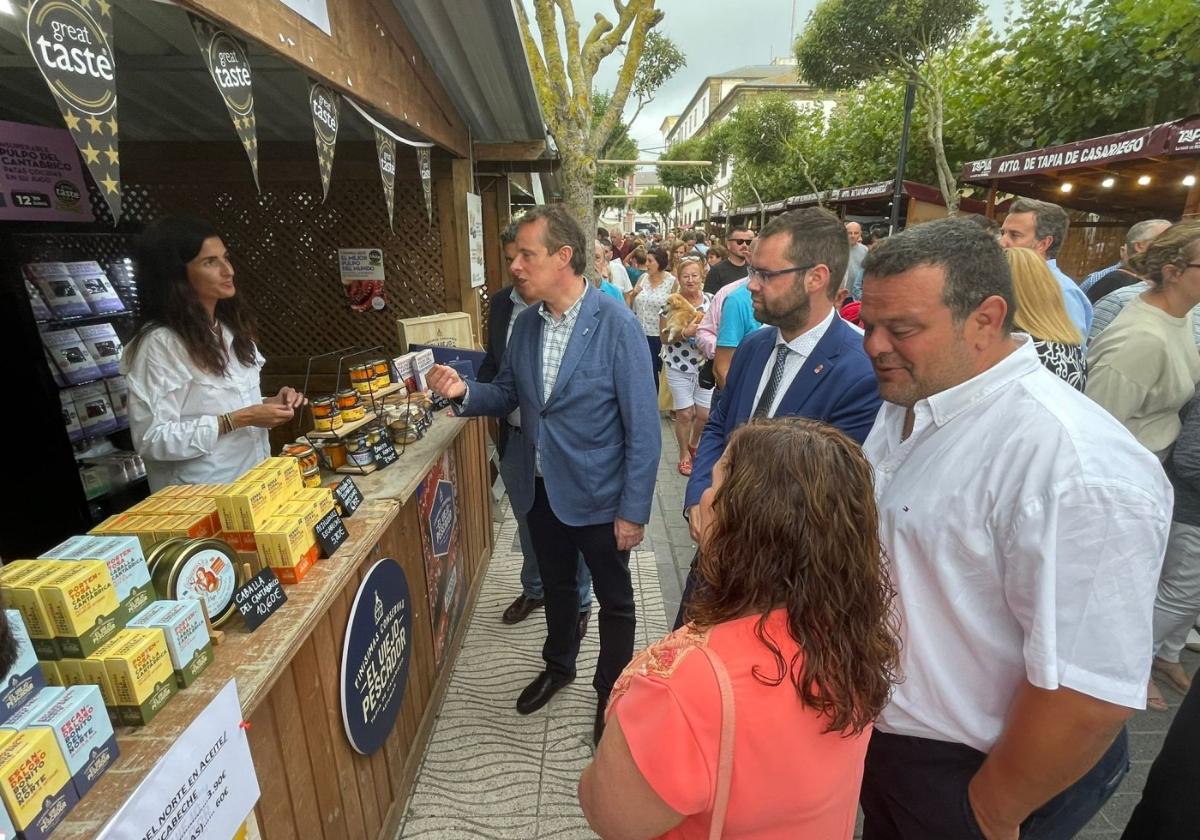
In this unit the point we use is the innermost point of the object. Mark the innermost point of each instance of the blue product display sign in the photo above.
(442, 518)
(375, 656)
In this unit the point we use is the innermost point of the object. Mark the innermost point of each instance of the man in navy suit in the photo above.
(590, 438)
(506, 305)
(807, 361)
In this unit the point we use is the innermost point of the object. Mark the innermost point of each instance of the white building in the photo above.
(719, 96)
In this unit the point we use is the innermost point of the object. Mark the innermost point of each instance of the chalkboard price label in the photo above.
(385, 454)
(331, 533)
(259, 598)
(348, 495)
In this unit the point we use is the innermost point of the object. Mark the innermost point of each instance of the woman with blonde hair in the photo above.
(1042, 313)
(752, 720)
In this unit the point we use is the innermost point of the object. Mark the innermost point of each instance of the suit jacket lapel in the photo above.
(581, 337)
(815, 370)
(535, 352)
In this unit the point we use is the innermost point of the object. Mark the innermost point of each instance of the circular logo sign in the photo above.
(375, 656)
(324, 114)
(231, 71)
(67, 193)
(73, 54)
(387, 160)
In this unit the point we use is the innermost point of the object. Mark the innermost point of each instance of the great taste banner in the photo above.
(230, 71)
(73, 50)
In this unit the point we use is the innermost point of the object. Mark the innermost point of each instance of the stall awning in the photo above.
(1143, 170)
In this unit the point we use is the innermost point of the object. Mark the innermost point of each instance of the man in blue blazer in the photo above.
(577, 368)
(807, 361)
(506, 305)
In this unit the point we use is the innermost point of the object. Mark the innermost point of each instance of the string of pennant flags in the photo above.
(56, 30)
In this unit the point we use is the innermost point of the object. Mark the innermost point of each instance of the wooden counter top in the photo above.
(255, 660)
(400, 480)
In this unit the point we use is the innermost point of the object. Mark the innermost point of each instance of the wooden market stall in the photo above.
(1109, 182)
(180, 152)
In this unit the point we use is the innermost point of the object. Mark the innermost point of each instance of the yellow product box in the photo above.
(126, 564)
(289, 471)
(249, 504)
(21, 594)
(143, 679)
(82, 604)
(91, 671)
(51, 672)
(156, 506)
(323, 495)
(285, 543)
(192, 526)
(69, 672)
(171, 490)
(14, 569)
(112, 525)
(271, 480)
(197, 506)
(35, 782)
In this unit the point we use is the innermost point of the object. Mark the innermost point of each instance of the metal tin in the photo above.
(328, 424)
(323, 407)
(346, 398)
(202, 570)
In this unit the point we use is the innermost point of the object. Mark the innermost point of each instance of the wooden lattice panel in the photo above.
(284, 243)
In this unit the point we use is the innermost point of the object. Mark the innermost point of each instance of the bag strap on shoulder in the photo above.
(725, 753)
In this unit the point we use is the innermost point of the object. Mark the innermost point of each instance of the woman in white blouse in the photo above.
(648, 298)
(195, 406)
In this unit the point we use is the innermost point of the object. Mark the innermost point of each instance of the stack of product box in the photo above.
(268, 510)
(55, 743)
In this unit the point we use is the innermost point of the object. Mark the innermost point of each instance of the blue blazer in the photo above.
(598, 432)
(836, 385)
(499, 314)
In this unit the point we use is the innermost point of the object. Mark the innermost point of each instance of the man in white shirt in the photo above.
(1025, 530)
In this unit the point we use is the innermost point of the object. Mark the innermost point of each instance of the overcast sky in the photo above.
(716, 36)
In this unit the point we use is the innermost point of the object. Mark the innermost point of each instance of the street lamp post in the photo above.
(910, 96)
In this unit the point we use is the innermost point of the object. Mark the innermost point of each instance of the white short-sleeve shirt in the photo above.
(1025, 529)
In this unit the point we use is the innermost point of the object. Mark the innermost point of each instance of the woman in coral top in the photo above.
(794, 607)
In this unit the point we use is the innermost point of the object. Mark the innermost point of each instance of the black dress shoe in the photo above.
(539, 692)
(583, 622)
(520, 609)
(598, 729)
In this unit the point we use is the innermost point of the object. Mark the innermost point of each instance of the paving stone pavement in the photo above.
(490, 773)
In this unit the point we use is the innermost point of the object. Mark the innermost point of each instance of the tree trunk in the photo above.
(931, 100)
(578, 175)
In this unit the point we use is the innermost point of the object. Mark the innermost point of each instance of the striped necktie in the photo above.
(763, 409)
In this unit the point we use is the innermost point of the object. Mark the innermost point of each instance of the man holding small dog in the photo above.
(577, 367)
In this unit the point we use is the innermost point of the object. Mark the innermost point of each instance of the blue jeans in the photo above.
(531, 579)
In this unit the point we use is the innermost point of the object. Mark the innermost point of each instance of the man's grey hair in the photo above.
(509, 235)
(1143, 231)
(972, 260)
(1050, 220)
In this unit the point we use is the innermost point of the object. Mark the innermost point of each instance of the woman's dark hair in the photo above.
(795, 527)
(168, 299)
(660, 254)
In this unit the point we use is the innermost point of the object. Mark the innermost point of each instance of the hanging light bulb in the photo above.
(1108, 183)
(1144, 181)
(1065, 186)
(1189, 180)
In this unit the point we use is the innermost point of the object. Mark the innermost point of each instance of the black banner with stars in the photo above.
(72, 47)
(426, 171)
(230, 71)
(385, 147)
(326, 113)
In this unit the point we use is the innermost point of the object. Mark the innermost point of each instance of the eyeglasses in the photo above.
(742, 241)
(765, 276)
(1191, 265)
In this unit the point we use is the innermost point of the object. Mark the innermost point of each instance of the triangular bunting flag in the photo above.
(426, 180)
(326, 113)
(73, 50)
(385, 146)
(230, 70)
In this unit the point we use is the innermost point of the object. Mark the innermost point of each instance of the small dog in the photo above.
(680, 315)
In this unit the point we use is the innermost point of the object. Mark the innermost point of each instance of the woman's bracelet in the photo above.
(225, 424)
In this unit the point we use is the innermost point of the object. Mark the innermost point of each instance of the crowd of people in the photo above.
(948, 527)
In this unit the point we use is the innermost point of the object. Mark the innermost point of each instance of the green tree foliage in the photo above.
(846, 42)
(617, 146)
(661, 60)
(773, 142)
(657, 202)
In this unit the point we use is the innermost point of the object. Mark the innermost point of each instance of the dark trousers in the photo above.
(916, 789)
(688, 588)
(558, 546)
(655, 344)
(1170, 808)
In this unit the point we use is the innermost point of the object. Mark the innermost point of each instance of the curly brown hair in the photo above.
(795, 527)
